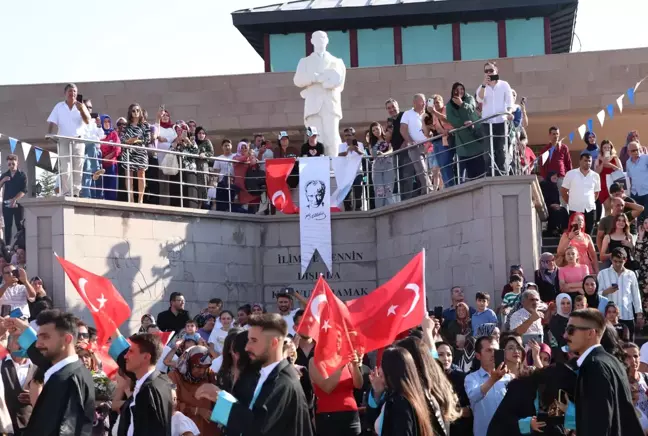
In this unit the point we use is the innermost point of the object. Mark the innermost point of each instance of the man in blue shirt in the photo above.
(637, 169)
(456, 296)
(483, 315)
(487, 386)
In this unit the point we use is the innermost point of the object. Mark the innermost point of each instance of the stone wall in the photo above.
(471, 234)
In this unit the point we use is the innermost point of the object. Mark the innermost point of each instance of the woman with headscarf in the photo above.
(546, 278)
(110, 155)
(244, 158)
(146, 320)
(193, 372)
(488, 329)
(189, 178)
(205, 150)
(166, 136)
(594, 299)
(624, 155)
(557, 215)
(459, 334)
(461, 110)
(591, 146)
(558, 322)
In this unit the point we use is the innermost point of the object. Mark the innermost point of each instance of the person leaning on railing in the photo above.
(205, 150)
(189, 178)
(461, 111)
(135, 160)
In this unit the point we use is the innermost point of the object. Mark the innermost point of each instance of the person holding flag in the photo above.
(278, 406)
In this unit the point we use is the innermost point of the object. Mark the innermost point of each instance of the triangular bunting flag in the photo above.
(12, 144)
(38, 152)
(590, 125)
(571, 138)
(581, 130)
(639, 83)
(25, 148)
(53, 159)
(631, 95)
(620, 103)
(601, 117)
(610, 110)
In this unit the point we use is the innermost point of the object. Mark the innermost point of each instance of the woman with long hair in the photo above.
(405, 411)
(137, 133)
(612, 318)
(514, 353)
(461, 110)
(217, 337)
(575, 236)
(436, 386)
(594, 299)
(606, 163)
(383, 165)
(619, 237)
(443, 153)
(110, 155)
(192, 372)
(572, 274)
(459, 334)
(558, 322)
(225, 364)
(641, 256)
(463, 426)
(146, 320)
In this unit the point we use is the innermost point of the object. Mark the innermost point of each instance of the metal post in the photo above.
(492, 153)
(181, 199)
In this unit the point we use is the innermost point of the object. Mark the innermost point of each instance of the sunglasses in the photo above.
(84, 335)
(489, 71)
(571, 329)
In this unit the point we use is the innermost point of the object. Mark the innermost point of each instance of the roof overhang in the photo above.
(300, 16)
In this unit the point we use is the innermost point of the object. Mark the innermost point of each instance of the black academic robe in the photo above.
(603, 399)
(279, 410)
(18, 411)
(65, 407)
(153, 408)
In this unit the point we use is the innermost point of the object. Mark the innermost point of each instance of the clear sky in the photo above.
(74, 40)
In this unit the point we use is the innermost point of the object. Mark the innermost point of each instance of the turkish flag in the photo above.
(326, 320)
(108, 365)
(392, 308)
(277, 172)
(106, 304)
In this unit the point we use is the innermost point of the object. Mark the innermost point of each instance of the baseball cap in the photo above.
(283, 134)
(311, 131)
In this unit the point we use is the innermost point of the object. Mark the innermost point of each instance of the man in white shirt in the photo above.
(16, 292)
(70, 118)
(285, 307)
(527, 321)
(620, 286)
(580, 189)
(496, 97)
(411, 128)
(224, 168)
(351, 146)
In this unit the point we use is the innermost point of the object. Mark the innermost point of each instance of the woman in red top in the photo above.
(606, 163)
(336, 411)
(110, 154)
(245, 157)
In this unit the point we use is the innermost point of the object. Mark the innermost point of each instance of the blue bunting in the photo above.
(38, 153)
(631, 95)
(571, 138)
(610, 110)
(12, 144)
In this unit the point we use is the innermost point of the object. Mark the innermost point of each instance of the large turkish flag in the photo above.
(392, 308)
(106, 304)
(277, 172)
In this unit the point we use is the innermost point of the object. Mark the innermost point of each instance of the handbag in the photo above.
(170, 165)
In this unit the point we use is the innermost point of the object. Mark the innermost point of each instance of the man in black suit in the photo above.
(16, 371)
(278, 406)
(149, 409)
(65, 406)
(603, 399)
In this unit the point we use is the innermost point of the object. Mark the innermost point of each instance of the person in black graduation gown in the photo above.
(150, 408)
(278, 406)
(65, 406)
(602, 397)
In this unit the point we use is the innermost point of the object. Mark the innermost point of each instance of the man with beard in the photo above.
(65, 407)
(278, 406)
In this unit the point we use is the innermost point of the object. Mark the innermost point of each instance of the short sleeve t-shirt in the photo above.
(309, 151)
(181, 424)
(217, 337)
(414, 123)
(607, 222)
(290, 321)
(509, 299)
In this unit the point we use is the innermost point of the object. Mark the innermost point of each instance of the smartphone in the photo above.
(528, 338)
(562, 396)
(523, 101)
(16, 273)
(94, 115)
(5, 310)
(16, 313)
(494, 77)
(430, 102)
(614, 285)
(575, 227)
(438, 312)
(80, 98)
(499, 358)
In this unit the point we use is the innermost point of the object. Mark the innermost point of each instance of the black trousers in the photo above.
(11, 215)
(356, 190)
(338, 424)
(499, 148)
(405, 175)
(631, 326)
(590, 220)
(152, 193)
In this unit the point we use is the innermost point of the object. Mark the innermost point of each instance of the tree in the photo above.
(47, 181)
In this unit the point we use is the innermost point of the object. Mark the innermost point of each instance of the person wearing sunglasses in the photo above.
(603, 398)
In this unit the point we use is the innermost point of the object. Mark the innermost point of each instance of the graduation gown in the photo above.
(19, 412)
(603, 399)
(280, 408)
(151, 414)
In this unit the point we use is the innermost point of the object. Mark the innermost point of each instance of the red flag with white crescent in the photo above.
(277, 172)
(398, 305)
(107, 306)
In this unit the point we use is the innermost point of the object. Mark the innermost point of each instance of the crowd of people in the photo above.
(413, 153)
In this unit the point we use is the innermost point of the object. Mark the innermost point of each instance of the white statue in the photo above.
(321, 75)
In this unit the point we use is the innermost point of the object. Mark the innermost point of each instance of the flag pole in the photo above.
(424, 287)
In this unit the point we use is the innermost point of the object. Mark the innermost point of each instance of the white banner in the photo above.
(315, 210)
(345, 169)
(618, 177)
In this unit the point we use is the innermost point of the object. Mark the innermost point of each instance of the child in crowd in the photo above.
(515, 282)
(484, 315)
(580, 302)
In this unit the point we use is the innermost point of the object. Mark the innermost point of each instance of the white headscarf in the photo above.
(559, 299)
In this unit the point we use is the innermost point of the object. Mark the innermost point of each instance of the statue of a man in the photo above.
(321, 75)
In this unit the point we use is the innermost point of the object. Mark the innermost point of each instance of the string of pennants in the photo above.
(26, 147)
(608, 111)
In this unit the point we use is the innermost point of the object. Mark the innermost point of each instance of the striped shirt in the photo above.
(627, 297)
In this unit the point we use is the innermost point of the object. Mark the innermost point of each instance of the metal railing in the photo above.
(383, 180)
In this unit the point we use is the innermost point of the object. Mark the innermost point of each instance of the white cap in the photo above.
(311, 131)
